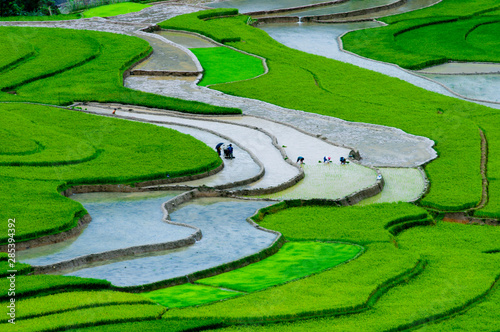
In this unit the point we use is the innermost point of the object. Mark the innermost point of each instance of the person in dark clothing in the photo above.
(300, 159)
(230, 151)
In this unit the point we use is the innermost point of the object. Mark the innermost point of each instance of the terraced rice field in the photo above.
(258, 242)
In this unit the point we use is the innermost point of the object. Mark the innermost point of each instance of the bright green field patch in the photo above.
(222, 65)
(21, 268)
(114, 9)
(188, 295)
(457, 273)
(23, 50)
(51, 304)
(46, 284)
(433, 35)
(486, 35)
(448, 40)
(60, 17)
(47, 60)
(294, 260)
(159, 325)
(18, 144)
(358, 224)
(87, 317)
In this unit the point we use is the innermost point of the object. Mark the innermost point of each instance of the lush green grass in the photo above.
(481, 317)
(46, 213)
(222, 65)
(154, 325)
(23, 50)
(45, 302)
(344, 292)
(20, 268)
(344, 288)
(188, 295)
(94, 144)
(386, 286)
(457, 274)
(355, 224)
(294, 260)
(490, 122)
(485, 35)
(70, 301)
(60, 17)
(87, 317)
(448, 8)
(129, 142)
(337, 89)
(42, 63)
(114, 9)
(27, 286)
(81, 66)
(469, 32)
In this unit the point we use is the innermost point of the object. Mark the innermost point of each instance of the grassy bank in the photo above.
(114, 9)
(60, 66)
(222, 65)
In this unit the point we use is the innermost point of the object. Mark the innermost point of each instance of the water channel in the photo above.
(227, 236)
(115, 216)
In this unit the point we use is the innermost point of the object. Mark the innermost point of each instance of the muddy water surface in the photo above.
(227, 236)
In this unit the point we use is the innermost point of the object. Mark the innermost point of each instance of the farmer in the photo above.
(219, 148)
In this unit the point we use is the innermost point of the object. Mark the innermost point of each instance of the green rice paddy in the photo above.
(114, 9)
(416, 271)
(294, 260)
(222, 65)
(455, 273)
(189, 295)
